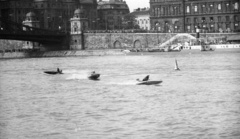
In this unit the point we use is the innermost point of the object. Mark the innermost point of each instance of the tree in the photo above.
(129, 22)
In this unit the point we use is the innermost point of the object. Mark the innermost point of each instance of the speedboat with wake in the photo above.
(54, 72)
(94, 76)
(146, 81)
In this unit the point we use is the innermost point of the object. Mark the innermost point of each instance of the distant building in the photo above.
(52, 14)
(30, 21)
(188, 15)
(15, 10)
(111, 13)
(142, 17)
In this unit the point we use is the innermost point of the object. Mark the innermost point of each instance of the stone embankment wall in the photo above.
(132, 40)
(72, 53)
(99, 41)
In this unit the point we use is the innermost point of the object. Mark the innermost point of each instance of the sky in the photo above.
(134, 4)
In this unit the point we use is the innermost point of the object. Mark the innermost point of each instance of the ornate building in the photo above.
(111, 14)
(52, 14)
(188, 15)
(142, 18)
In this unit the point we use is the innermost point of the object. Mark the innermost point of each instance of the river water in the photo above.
(202, 100)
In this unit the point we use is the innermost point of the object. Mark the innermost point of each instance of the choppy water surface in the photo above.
(200, 101)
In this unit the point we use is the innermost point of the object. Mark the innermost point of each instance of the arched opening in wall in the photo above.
(117, 45)
(137, 44)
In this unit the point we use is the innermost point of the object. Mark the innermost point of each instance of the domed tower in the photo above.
(31, 20)
(78, 22)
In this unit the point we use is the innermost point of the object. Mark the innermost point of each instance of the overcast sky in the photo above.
(134, 4)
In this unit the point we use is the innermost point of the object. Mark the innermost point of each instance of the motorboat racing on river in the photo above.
(146, 81)
(54, 72)
(94, 76)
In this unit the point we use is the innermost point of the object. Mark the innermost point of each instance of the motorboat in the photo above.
(146, 81)
(54, 72)
(94, 76)
(149, 82)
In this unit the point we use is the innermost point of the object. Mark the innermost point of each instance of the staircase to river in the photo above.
(170, 41)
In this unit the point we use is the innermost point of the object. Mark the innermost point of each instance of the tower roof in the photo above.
(78, 11)
(31, 14)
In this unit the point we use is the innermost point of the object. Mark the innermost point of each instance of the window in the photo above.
(166, 10)
(203, 19)
(195, 8)
(211, 8)
(211, 19)
(163, 11)
(235, 18)
(236, 25)
(203, 8)
(236, 6)
(219, 7)
(219, 19)
(171, 10)
(156, 11)
(188, 20)
(227, 19)
(195, 20)
(227, 6)
(212, 28)
(188, 9)
(228, 27)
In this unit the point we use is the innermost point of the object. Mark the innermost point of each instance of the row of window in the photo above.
(220, 27)
(143, 21)
(166, 10)
(195, 8)
(211, 19)
(211, 7)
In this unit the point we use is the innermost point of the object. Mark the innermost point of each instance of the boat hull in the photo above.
(94, 76)
(52, 72)
(149, 83)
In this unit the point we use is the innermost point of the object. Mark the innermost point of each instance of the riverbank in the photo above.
(67, 53)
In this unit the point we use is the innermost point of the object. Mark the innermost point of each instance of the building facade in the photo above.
(52, 14)
(142, 18)
(188, 15)
(111, 14)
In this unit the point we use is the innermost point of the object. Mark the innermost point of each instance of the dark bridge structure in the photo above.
(10, 30)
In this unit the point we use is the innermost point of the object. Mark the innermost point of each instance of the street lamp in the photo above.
(197, 34)
(94, 25)
(157, 25)
(106, 22)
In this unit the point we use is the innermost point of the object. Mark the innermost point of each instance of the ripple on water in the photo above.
(200, 101)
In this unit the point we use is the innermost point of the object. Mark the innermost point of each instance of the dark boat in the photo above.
(94, 76)
(52, 72)
(149, 83)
